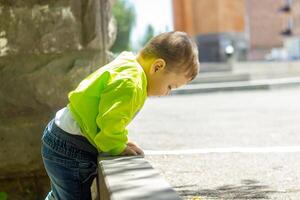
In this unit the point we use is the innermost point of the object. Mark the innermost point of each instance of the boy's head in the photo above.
(170, 60)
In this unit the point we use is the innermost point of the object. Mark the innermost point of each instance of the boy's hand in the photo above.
(136, 147)
(132, 149)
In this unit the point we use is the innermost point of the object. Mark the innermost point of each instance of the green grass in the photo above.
(3, 196)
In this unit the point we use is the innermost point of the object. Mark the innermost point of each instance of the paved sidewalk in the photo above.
(237, 145)
(232, 175)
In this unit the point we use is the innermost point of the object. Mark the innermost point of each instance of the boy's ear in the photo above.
(157, 65)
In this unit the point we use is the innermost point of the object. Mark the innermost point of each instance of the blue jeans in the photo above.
(70, 162)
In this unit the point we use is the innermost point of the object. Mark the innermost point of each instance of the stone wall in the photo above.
(46, 49)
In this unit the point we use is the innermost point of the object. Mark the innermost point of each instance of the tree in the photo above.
(124, 14)
(148, 34)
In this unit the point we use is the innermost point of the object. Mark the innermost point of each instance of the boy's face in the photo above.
(161, 82)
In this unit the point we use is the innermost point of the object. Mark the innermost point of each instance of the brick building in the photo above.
(292, 26)
(216, 24)
(265, 24)
(252, 27)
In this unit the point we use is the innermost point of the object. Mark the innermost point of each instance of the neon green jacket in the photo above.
(106, 101)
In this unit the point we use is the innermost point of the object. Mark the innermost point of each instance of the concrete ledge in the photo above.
(240, 85)
(219, 77)
(215, 67)
(131, 178)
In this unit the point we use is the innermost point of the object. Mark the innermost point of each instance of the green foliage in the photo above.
(125, 16)
(148, 34)
(3, 196)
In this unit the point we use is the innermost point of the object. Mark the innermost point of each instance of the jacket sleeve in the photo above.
(117, 107)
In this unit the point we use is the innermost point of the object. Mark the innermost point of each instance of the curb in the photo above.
(240, 85)
(131, 177)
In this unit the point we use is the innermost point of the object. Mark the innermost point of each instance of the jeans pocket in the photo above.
(87, 171)
(57, 158)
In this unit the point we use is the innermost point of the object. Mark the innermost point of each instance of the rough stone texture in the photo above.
(53, 26)
(46, 49)
(32, 89)
(35, 82)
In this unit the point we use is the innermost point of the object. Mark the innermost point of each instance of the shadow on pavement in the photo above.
(248, 189)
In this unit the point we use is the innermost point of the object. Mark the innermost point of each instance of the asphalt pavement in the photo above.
(225, 145)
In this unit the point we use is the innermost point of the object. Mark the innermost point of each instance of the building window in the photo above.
(289, 3)
(287, 7)
(288, 31)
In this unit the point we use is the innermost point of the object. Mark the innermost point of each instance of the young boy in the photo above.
(103, 104)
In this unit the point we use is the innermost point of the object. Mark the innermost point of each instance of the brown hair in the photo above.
(177, 49)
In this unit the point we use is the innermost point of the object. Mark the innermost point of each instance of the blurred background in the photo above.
(248, 85)
(257, 30)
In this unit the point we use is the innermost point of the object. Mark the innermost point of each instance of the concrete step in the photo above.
(240, 85)
(216, 77)
(215, 67)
